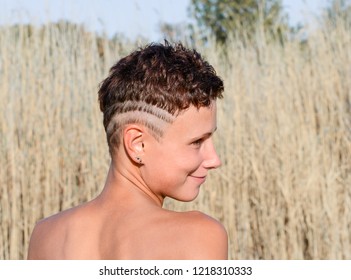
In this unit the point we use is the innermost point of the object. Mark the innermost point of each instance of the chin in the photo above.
(187, 197)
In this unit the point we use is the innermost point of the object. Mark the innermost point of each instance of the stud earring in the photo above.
(138, 159)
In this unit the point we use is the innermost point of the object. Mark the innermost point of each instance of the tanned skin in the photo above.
(127, 221)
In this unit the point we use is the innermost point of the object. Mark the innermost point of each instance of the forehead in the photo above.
(194, 121)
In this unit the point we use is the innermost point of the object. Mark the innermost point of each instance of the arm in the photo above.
(207, 239)
(34, 244)
(45, 241)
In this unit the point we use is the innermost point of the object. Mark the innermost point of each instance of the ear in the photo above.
(133, 142)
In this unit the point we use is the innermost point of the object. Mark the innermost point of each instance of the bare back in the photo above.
(160, 113)
(97, 231)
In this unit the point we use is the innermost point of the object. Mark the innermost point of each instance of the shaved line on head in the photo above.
(142, 106)
(140, 112)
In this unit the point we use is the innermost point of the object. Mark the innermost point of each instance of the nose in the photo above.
(211, 158)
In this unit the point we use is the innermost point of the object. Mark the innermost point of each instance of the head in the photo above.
(152, 86)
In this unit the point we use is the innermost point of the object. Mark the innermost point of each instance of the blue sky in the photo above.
(131, 17)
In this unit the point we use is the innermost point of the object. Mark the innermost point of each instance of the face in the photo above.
(177, 164)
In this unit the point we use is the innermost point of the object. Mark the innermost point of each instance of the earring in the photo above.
(138, 159)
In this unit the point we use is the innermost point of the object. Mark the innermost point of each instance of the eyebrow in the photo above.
(206, 134)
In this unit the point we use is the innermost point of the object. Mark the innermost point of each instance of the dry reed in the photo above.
(284, 137)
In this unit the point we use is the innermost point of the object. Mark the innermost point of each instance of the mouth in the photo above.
(200, 179)
(198, 176)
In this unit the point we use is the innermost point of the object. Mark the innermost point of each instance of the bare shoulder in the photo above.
(48, 236)
(203, 236)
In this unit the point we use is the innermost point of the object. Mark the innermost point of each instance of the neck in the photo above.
(129, 182)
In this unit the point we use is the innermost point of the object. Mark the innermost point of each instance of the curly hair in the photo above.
(153, 83)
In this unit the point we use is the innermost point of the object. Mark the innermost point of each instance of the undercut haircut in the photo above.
(152, 85)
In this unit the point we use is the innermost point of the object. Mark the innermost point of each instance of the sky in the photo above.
(130, 17)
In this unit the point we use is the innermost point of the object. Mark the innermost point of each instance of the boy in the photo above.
(159, 108)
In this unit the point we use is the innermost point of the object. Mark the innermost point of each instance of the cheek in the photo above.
(188, 160)
(175, 164)
(171, 161)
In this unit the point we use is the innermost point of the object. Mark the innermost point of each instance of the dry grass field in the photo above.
(284, 137)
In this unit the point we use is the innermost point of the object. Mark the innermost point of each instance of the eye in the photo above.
(198, 142)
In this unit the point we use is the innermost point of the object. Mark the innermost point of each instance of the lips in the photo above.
(200, 179)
